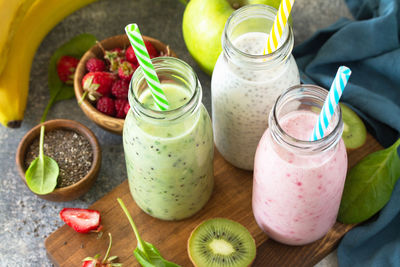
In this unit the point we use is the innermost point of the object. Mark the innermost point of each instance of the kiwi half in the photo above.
(221, 242)
(354, 131)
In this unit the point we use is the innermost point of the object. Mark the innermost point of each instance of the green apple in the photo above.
(203, 24)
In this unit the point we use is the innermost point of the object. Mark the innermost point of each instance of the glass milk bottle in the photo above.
(169, 154)
(298, 184)
(245, 83)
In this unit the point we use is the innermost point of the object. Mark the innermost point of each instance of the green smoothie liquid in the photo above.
(169, 163)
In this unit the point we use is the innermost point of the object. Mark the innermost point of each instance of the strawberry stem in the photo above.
(139, 240)
(83, 97)
(108, 250)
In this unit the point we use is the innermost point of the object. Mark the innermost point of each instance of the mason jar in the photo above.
(245, 83)
(169, 154)
(298, 184)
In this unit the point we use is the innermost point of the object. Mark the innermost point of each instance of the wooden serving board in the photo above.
(231, 199)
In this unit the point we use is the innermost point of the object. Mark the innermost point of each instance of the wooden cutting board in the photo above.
(231, 199)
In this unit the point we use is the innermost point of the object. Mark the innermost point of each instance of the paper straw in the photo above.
(331, 101)
(133, 33)
(279, 25)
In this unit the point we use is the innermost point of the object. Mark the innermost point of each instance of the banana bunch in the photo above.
(24, 24)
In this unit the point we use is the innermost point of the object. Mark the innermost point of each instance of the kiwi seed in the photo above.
(221, 242)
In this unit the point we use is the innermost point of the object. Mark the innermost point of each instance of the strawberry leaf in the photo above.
(76, 47)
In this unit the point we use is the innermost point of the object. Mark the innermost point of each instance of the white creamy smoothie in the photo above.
(243, 96)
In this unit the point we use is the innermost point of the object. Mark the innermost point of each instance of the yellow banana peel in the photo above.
(27, 33)
(11, 14)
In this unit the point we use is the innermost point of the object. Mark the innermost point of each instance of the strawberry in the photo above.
(150, 48)
(120, 89)
(114, 57)
(106, 262)
(127, 108)
(120, 108)
(95, 64)
(66, 66)
(81, 220)
(130, 56)
(106, 105)
(98, 84)
(126, 70)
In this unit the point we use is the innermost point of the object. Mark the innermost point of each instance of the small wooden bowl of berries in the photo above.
(102, 78)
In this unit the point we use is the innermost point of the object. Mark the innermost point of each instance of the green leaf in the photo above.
(146, 254)
(41, 176)
(76, 47)
(369, 185)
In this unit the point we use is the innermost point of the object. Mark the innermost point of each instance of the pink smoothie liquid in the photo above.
(296, 196)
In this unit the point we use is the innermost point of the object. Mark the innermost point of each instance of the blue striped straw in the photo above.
(331, 101)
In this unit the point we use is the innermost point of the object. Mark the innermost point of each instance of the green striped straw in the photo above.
(133, 33)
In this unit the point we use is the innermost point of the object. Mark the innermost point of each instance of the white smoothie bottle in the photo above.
(245, 83)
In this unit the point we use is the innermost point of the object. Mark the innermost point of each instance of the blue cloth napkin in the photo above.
(370, 47)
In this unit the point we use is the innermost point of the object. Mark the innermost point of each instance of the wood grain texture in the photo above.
(231, 199)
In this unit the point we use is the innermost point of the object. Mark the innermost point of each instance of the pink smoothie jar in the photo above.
(298, 183)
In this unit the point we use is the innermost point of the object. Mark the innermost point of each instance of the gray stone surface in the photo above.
(26, 220)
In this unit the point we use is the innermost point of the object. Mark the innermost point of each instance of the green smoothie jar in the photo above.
(169, 154)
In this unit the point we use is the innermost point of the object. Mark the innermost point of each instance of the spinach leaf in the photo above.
(76, 47)
(369, 185)
(42, 174)
(146, 254)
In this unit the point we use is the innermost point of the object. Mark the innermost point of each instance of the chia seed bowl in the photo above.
(75, 149)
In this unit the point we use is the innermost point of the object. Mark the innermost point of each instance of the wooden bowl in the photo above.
(82, 186)
(114, 125)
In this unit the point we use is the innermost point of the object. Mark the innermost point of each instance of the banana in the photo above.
(30, 29)
(11, 14)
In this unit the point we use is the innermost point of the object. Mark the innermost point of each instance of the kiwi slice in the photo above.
(354, 131)
(221, 242)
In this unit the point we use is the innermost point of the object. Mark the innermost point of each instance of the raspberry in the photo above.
(98, 84)
(127, 108)
(120, 89)
(66, 66)
(95, 64)
(126, 70)
(130, 56)
(106, 106)
(120, 108)
(150, 48)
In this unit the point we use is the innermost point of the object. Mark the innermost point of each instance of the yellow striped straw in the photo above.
(279, 25)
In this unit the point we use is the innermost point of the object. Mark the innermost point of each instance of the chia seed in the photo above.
(72, 152)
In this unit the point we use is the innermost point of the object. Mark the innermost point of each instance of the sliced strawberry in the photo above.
(81, 220)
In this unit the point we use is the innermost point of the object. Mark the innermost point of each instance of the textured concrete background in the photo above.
(26, 220)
